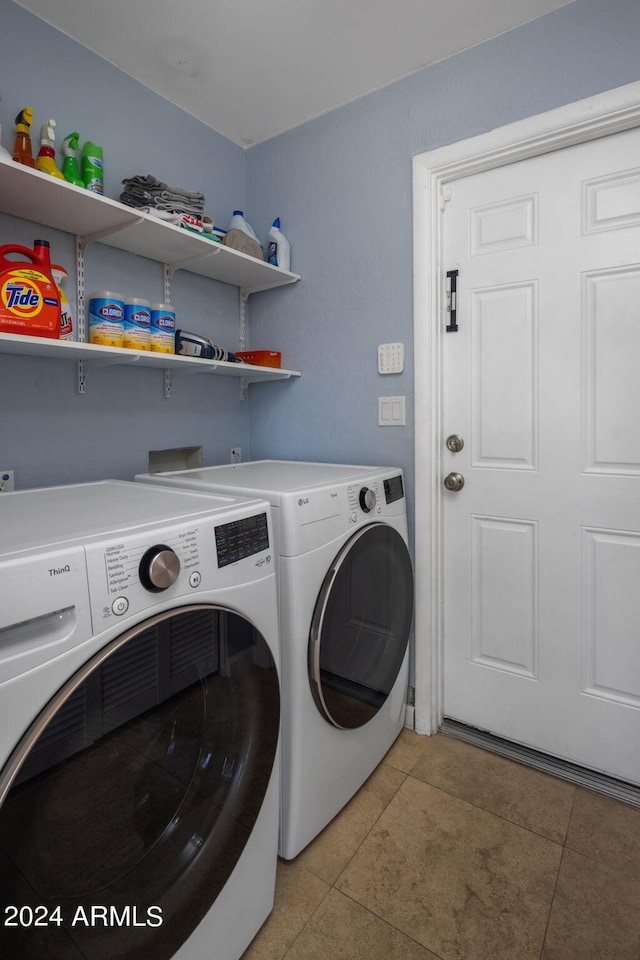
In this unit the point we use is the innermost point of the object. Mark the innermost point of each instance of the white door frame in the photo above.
(601, 115)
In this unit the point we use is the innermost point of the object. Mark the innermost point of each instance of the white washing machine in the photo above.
(346, 608)
(139, 723)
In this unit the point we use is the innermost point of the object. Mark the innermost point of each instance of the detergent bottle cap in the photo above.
(276, 223)
(42, 249)
(238, 213)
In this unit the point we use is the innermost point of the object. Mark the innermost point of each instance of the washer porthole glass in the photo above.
(140, 790)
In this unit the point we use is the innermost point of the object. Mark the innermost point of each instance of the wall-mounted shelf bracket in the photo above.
(168, 384)
(118, 359)
(109, 231)
(188, 261)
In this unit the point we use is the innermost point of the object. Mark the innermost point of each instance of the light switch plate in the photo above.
(391, 358)
(391, 412)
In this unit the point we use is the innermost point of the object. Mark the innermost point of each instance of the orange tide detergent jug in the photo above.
(29, 297)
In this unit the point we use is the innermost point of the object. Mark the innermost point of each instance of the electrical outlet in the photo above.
(6, 481)
(236, 454)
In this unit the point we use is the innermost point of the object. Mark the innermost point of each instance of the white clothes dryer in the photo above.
(139, 723)
(346, 609)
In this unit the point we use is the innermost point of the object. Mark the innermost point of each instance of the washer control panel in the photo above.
(241, 539)
(132, 566)
(128, 575)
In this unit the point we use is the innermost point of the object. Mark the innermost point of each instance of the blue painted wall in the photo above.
(48, 433)
(342, 186)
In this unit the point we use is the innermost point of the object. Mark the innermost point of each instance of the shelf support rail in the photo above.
(80, 313)
(167, 274)
(242, 339)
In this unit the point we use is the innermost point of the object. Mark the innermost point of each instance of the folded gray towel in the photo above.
(133, 185)
(176, 205)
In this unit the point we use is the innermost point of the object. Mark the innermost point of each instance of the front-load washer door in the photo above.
(361, 625)
(134, 793)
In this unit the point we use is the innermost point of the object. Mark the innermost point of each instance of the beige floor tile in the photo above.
(595, 913)
(527, 797)
(406, 751)
(607, 831)
(343, 930)
(328, 854)
(465, 884)
(298, 894)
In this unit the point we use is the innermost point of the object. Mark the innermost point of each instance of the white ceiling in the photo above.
(252, 69)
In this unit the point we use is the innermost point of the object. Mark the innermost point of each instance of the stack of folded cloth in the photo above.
(152, 196)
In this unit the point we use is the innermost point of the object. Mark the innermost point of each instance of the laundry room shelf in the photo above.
(96, 355)
(32, 195)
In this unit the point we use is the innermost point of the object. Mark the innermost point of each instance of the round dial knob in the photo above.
(367, 499)
(159, 568)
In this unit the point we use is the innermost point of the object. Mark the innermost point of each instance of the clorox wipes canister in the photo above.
(29, 296)
(106, 318)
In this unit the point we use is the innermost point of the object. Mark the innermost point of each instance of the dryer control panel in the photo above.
(364, 499)
(393, 489)
(375, 497)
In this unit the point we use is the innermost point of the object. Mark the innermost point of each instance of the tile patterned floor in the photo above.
(452, 853)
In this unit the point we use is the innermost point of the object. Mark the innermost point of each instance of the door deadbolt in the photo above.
(455, 443)
(454, 482)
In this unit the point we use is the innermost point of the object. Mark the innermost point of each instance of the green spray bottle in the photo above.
(69, 151)
(92, 167)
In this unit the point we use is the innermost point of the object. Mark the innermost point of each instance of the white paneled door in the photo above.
(542, 384)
